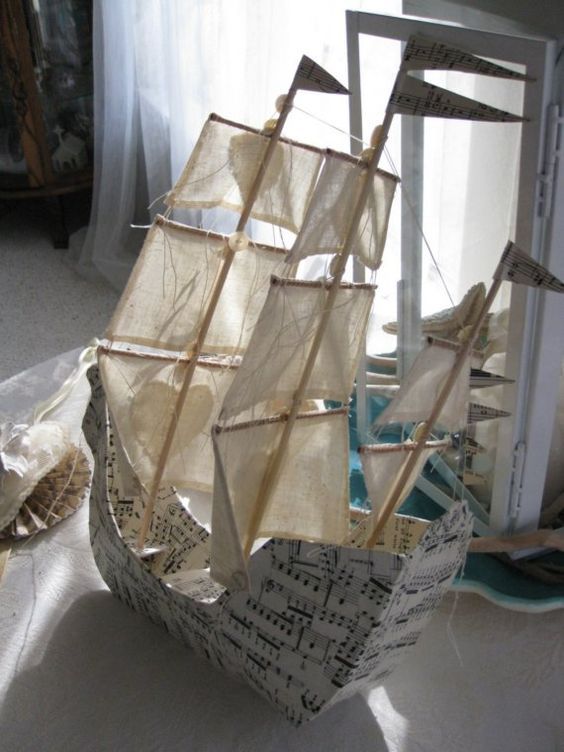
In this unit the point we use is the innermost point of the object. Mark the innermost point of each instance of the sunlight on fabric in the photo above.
(205, 56)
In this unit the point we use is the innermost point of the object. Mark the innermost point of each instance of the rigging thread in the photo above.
(402, 188)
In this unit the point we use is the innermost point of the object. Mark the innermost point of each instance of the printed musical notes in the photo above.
(411, 96)
(478, 413)
(320, 621)
(516, 266)
(480, 379)
(422, 53)
(312, 77)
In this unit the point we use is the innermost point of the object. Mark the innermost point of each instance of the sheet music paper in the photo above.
(312, 77)
(411, 96)
(480, 378)
(422, 53)
(477, 413)
(319, 623)
(516, 266)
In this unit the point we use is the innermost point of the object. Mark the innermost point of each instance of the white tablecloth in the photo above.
(81, 672)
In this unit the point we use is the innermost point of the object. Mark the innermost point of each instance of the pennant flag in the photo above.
(480, 379)
(312, 77)
(411, 96)
(422, 53)
(472, 447)
(516, 266)
(477, 413)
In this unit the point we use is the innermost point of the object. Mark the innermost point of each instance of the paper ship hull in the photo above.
(319, 623)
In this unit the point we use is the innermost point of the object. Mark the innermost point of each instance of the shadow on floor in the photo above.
(110, 680)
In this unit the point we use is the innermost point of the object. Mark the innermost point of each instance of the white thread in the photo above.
(405, 193)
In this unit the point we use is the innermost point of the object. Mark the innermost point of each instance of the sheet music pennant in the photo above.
(411, 96)
(516, 266)
(422, 53)
(480, 379)
(477, 413)
(312, 77)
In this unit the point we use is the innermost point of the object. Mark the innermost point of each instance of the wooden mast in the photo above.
(415, 57)
(273, 468)
(271, 475)
(308, 75)
(424, 430)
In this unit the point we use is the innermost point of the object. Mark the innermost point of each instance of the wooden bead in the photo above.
(279, 104)
(270, 125)
(238, 241)
(376, 136)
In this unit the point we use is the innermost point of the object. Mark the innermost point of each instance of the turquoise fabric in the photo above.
(482, 574)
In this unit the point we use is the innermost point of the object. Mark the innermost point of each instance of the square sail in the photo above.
(328, 217)
(280, 345)
(223, 167)
(420, 388)
(308, 502)
(143, 393)
(165, 299)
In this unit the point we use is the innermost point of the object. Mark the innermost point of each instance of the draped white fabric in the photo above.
(162, 67)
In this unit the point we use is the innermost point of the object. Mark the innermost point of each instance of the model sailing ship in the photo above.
(216, 369)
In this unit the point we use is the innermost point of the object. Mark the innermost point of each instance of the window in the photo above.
(468, 208)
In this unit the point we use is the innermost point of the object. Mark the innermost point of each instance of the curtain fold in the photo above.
(108, 248)
(161, 67)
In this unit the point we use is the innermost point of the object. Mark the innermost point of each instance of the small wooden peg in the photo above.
(280, 102)
(419, 431)
(269, 125)
(376, 136)
(238, 241)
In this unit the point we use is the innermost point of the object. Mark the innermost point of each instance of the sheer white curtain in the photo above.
(162, 65)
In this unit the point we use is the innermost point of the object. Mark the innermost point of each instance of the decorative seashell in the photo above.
(449, 322)
(57, 495)
(34, 451)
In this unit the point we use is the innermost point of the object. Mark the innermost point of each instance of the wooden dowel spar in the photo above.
(219, 283)
(271, 475)
(426, 428)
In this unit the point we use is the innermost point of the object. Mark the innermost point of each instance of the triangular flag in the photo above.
(312, 77)
(411, 96)
(422, 53)
(480, 379)
(472, 447)
(477, 413)
(518, 267)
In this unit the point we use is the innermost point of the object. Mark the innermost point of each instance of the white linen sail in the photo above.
(142, 393)
(329, 213)
(165, 299)
(225, 162)
(418, 392)
(309, 501)
(382, 464)
(280, 345)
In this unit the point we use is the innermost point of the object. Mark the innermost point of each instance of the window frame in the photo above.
(535, 319)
